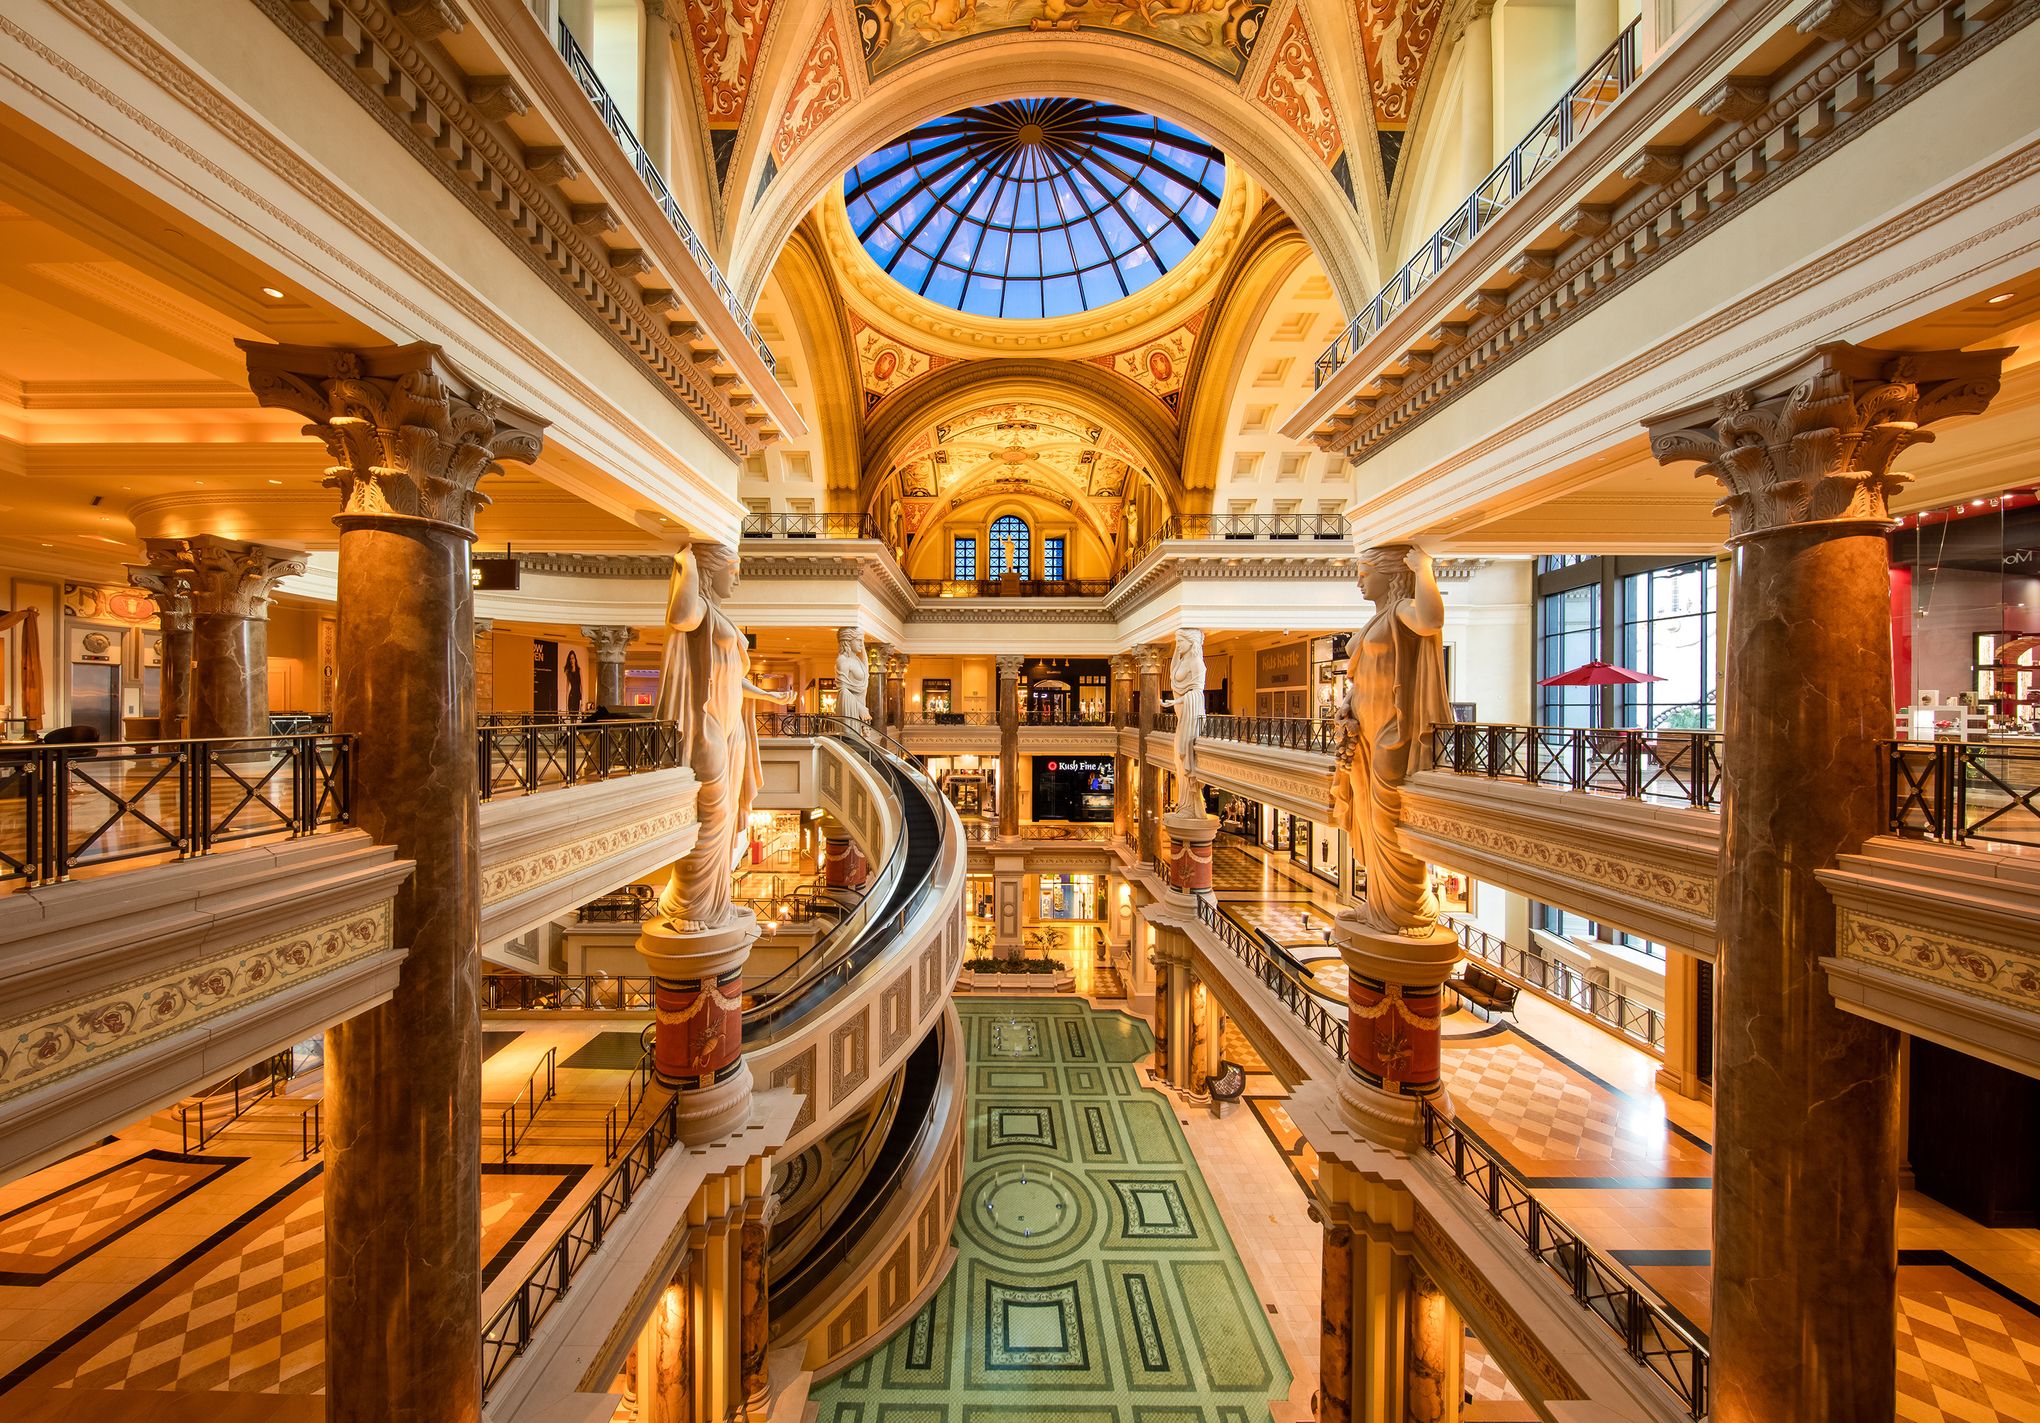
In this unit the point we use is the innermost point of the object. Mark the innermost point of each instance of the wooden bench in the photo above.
(1484, 990)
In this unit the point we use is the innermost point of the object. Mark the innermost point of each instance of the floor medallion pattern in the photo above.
(1094, 1279)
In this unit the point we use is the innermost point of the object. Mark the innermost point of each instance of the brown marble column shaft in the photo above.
(229, 584)
(1148, 807)
(756, 1330)
(168, 583)
(1806, 1096)
(1335, 1338)
(403, 1080)
(1434, 1347)
(609, 645)
(896, 692)
(666, 1352)
(1122, 766)
(879, 655)
(1009, 664)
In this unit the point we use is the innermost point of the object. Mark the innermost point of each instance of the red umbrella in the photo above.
(1598, 674)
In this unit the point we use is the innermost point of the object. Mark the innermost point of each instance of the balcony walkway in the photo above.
(1578, 1113)
(145, 1283)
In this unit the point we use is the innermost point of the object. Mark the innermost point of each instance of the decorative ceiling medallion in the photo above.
(1158, 366)
(1034, 208)
(893, 32)
(885, 363)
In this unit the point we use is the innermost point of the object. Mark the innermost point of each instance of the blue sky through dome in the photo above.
(1034, 207)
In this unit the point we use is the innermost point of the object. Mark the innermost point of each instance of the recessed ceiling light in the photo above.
(272, 293)
(276, 481)
(2001, 298)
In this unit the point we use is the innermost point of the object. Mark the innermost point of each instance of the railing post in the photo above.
(1576, 739)
(1632, 764)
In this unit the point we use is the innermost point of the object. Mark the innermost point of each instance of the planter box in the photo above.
(975, 982)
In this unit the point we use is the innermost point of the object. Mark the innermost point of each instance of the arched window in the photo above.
(1009, 554)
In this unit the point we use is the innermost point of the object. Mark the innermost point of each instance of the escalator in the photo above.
(905, 883)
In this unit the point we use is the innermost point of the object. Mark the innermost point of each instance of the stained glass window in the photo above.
(1052, 559)
(965, 564)
(1034, 207)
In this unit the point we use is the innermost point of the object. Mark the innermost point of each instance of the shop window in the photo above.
(935, 696)
(1669, 629)
(1568, 634)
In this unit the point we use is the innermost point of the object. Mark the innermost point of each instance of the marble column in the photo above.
(842, 864)
(756, 1336)
(166, 583)
(1434, 1353)
(1335, 1328)
(230, 584)
(1806, 1096)
(896, 692)
(1009, 664)
(1122, 765)
(1147, 808)
(879, 655)
(665, 1353)
(610, 645)
(1681, 1072)
(408, 438)
(655, 123)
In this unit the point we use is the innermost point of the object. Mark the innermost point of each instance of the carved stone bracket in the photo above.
(1815, 443)
(410, 437)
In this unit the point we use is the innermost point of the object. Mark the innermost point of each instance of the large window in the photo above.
(1568, 634)
(964, 565)
(1668, 628)
(1052, 559)
(1010, 547)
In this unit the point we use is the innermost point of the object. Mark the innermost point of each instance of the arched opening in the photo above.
(1010, 555)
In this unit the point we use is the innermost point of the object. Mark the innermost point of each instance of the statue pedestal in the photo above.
(1189, 860)
(698, 1042)
(1394, 1000)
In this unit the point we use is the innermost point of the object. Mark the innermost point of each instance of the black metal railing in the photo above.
(538, 1089)
(63, 808)
(523, 757)
(1673, 766)
(633, 904)
(1012, 587)
(1290, 733)
(311, 1133)
(1589, 96)
(588, 992)
(508, 1334)
(203, 1118)
(1563, 983)
(810, 526)
(1281, 979)
(1187, 527)
(636, 1091)
(1964, 790)
(1165, 721)
(954, 718)
(583, 71)
(1072, 716)
(1649, 1332)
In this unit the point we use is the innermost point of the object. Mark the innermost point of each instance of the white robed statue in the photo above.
(703, 681)
(1397, 670)
(1186, 683)
(853, 676)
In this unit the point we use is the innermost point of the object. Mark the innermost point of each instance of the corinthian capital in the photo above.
(409, 436)
(1009, 665)
(167, 580)
(1151, 658)
(609, 644)
(220, 577)
(1816, 443)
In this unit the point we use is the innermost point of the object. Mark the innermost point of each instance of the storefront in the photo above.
(1072, 788)
(1237, 816)
(972, 788)
(1069, 897)
(1965, 601)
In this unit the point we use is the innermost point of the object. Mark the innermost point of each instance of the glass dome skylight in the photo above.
(1034, 207)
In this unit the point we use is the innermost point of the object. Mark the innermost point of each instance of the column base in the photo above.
(1190, 835)
(698, 1049)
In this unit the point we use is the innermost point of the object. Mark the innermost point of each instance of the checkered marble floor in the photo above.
(1095, 1279)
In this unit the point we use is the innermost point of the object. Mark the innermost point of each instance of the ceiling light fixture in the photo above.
(2001, 298)
(276, 481)
(272, 293)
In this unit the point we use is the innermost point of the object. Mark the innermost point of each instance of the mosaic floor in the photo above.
(1095, 1281)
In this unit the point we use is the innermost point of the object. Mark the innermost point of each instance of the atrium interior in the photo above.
(949, 711)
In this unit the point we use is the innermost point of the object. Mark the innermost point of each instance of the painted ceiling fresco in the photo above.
(1220, 33)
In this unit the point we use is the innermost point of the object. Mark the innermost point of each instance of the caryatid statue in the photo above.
(1396, 671)
(853, 675)
(698, 943)
(1186, 685)
(1397, 954)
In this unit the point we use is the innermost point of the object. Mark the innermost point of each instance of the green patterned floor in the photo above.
(1094, 1281)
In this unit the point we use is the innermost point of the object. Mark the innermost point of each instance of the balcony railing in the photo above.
(1290, 733)
(520, 758)
(1075, 716)
(1012, 587)
(954, 718)
(64, 808)
(568, 993)
(591, 84)
(1279, 978)
(810, 526)
(1563, 983)
(1680, 767)
(1964, 790)
(1242, 526)
(1590, 96)
(1648, 1331)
